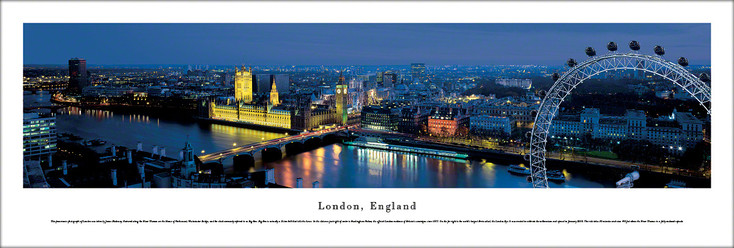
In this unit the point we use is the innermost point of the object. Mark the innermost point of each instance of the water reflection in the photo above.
(334, 165)
(128, 129)
(347, 166)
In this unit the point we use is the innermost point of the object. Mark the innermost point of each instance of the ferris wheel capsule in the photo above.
(571, 62)
(683, 61)
(555, 76)
(634, 45)
(704, 77)
(611, 46)
(659, 50)
(590, 51)
(541, 93)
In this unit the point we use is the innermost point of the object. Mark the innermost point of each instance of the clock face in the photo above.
(338, 91)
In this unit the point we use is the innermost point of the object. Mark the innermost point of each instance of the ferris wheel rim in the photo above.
(539, 133)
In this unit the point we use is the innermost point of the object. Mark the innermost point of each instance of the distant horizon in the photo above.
(547, 44)
(233, 66)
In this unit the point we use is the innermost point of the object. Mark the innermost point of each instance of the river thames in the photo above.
(334, 166)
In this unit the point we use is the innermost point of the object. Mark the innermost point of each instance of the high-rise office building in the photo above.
(341, 100)
(263, 83)
(243, 85)
(283, 82)
(39, 135)
(380, 117)
(418, 71)
(389, 79)
(378, 79)
(78, 75)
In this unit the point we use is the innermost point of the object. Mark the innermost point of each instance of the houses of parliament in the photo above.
(301, 114)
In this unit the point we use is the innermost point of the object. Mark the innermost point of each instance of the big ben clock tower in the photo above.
(341, 100)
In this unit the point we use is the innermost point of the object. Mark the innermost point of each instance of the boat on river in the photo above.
(517, 169)
(555, 175)
(676, 184)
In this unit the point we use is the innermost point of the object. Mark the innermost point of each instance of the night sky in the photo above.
(351, 44)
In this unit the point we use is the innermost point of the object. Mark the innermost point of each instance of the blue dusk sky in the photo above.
(352, 44)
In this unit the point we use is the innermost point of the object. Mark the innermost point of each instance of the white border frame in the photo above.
(707, 213)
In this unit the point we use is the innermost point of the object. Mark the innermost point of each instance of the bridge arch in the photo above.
(271, 153)
(577, 74)
(330, 138)
(243, 162)
(312, 139)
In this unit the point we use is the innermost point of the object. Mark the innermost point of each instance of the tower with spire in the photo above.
(188, 165)
(341, 100)
(243, 85)
(273, 94)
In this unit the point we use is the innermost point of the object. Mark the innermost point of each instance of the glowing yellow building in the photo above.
(252, 114)
(243, 85)
(243, 110)
(302, 116)
(274, 95)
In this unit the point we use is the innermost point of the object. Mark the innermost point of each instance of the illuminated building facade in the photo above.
(301, 114)
(566, 127)
(413, 120)
(322, 116)
(515, 82)
(389, 79)
(78, 75)
(243, 85)
(378, 78)
(636, 123)
(342, 99)
(446, 122)
(494, 126)
(675, 133)
(39, 135)
(274, 95)
(520, 111)
(252, 114)
(418, 72)
(309, 116)
(243, 111)
(384, 117)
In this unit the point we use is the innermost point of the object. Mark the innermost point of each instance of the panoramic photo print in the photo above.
(367, 105)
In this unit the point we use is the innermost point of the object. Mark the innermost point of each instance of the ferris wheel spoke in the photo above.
(579, 72)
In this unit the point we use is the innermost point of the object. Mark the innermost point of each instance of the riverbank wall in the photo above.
(597, 172)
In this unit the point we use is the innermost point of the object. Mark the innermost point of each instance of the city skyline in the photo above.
(468, 114)
(351, 44)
